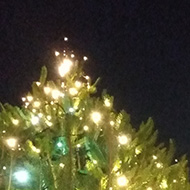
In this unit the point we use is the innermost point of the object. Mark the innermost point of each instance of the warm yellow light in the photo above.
(38, 83)
(35, 149)
(138, 151)
(174, 181)
(65, 67)
(35, 120)
(159, 165)
(154, 157)
(62, 165)
(107, 102)
(73, 91)
(94, 161)
(48, 123)
(23, 99)
(86, 128)
(66, 39)
(85, 58)
(96, 117)
(164, 184)
(29, 98)
(123, 139)
(40, 115)
(78, 84)
(55, 94)
(72, 55)
(57, 53)
(15, 121)
(47, 90)
(112, 123)
(11, 142)
(122, 181)
(149, 188)
(36, 104)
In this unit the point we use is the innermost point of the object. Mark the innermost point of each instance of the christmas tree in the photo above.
(64, 137)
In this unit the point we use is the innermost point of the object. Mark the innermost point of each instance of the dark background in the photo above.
(139, 48)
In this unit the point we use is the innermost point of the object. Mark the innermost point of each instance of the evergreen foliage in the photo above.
(65, 138)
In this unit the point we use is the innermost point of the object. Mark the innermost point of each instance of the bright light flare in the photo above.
(35, 120)
(73, 91)
(65, 67)
(15, 121)
(55, 94)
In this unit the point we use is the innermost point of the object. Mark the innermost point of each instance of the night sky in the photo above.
(139, 48)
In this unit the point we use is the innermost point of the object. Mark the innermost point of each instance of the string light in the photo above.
(123, 139)
(65, 67)
(122, 181)
(29, 98)
(71, 110)
(62, 165)
(35, 149)
(15, 121)
(159, 165)
(73, 91)
(23, 99)
(96, 117)
(55, 94)
(112, 123)
(4, 167)
(78, 84)
(47, 90)
(107, 102)
(164, 184)
(57, 53)
(149, 188)
(155, 157)
(85, 58)
(11, 142)
(66, 39)
(35, 120)
(38, 83)
(86, 128)
(36, 104)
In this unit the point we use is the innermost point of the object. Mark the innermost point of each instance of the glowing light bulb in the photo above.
(94, 161)
(65, 39)
(159, 165)
(112, 123)
(15, 121)
(36, 104)
(38, 83)
(71, 110)
(85, 58)
(47, 90)
(78, 84)
(23, 99)
(86, 128)
(59, 144)
(107, 102)
(29, 98)
(21, 176)
(40, 115)
(62, 165)
(154, 157)
(96, 117)
(65, 67)
(164, 184)
(35, 120)
(49, 117)
(123, 139)
(35, 149)
(122, 181)
(73, 91)
(72, 55)
(4, 167)
(48, 123)
(11, 142)
(57, 53)
(55, 94)
(149, 188)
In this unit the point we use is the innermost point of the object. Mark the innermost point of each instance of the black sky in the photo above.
(139, 48)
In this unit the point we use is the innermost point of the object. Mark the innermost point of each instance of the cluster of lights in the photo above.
(65, 67)
(12, 142)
